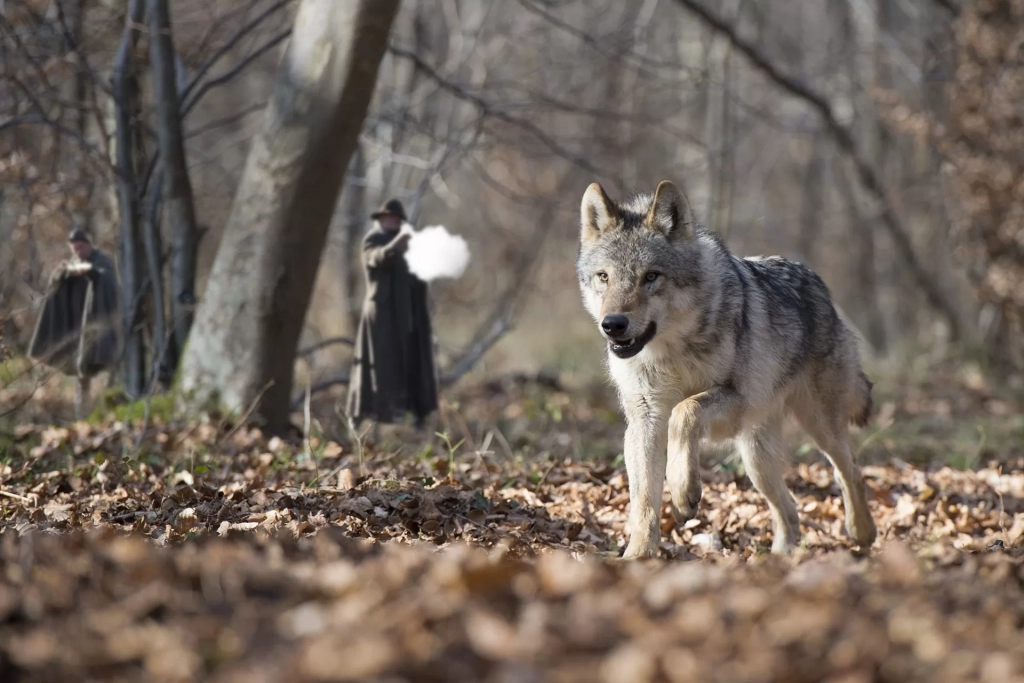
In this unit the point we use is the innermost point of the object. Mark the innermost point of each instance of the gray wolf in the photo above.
(706, 345)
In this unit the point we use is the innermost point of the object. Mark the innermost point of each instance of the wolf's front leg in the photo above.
(718, 410)
(645, 466)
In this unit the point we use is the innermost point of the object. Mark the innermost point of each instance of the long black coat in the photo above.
(393, 367)
(78, 330)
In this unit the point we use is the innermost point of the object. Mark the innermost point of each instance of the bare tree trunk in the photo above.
(126, 95)
(811, 224)
(862, 23)
(241, 352)
(162, 343)
(718, 128)
(178, 200)
(868, 176)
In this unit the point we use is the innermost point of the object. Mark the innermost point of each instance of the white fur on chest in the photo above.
(659, 377)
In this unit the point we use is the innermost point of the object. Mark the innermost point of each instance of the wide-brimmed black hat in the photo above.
(78, 235)
(391, 207)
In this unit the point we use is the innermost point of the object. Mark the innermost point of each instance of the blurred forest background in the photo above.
(876, 140)
(228, 154)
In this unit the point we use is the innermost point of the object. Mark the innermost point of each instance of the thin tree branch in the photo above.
(226, 47)
(476, 351)
(333, 381)
(188, 106)
(643, 63)
(487, 109)
(844, 140)
(189, 103)
(322, 344)
(226, 120)
(39, 119)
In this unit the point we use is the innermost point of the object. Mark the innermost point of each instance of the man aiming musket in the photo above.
(393, 368)
(78, 330)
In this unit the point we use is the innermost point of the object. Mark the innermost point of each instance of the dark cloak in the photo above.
(78, 330)
(393, 366)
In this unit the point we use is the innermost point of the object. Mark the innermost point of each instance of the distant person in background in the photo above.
(393, 366)
(78, 330)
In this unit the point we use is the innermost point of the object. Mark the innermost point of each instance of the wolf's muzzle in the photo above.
(629, 347)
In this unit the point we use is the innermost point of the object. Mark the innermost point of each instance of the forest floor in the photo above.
(166, 551)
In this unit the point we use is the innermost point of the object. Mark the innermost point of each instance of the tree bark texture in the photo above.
(862, 22)
(126, 95)
(177, 193)
(353, 222)
(242, 346)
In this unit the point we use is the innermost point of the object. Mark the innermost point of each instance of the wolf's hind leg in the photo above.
(765, 462)
(717, 410)
(859, 523)
(825, 419)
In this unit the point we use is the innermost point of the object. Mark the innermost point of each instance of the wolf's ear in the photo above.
(670, 213)
(597, 213)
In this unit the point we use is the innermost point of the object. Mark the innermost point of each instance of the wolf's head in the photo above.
(639, 265)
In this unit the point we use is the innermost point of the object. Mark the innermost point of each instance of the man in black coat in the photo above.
(393, 367)
(78, 330)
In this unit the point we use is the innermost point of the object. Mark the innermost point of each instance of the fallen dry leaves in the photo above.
(325, 607)
(205, 552)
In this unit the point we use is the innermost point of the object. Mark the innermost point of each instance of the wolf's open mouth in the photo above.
(627, 348)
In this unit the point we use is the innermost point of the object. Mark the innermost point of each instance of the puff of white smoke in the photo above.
(434, 253)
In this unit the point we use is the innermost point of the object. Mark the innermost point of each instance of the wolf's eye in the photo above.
(603, 277)
(652, 276)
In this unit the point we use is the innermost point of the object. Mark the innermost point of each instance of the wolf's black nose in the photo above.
(615, 325)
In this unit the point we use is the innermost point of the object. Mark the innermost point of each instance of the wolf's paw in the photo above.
(640, 551)
(785, 541)
(862, 531)
(685, 504)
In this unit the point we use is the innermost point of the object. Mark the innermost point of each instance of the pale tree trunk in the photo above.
(811, 223)
(177, 190)
(241, 351)
(354, 220)
(718, 127)
(640, 21)
(863, 25)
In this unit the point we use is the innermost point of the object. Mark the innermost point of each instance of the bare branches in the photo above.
(643, 63)
(242, 32)
(43, 120)
(187, 105)
(487, 109)
(189, 102)
(501, 327)
(843, 139)
(178, 187)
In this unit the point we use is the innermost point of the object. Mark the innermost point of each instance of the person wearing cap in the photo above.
(78, 330)
(393, 366)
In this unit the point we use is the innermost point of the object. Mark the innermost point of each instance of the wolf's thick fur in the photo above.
(706, 345)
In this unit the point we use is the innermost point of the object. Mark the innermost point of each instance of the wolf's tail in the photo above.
(860, 409)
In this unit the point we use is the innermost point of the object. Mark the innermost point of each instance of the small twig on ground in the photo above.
(15, 496)
(504, 443)
(356, 439)
(305, 438)
(1002, 511)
